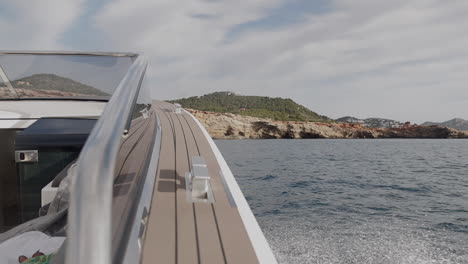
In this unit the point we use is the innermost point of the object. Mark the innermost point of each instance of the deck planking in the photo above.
(232, 230)
(180, 231)
(210, 247)
(187, 250)
(160, 244)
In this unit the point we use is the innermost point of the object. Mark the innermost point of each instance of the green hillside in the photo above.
(52, 82)
(257, 106)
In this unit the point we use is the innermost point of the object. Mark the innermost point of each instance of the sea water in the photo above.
(357, 201)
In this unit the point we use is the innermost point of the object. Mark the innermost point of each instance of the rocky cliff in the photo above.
(232, 126)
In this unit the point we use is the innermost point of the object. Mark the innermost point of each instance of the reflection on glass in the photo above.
(51, 85)
(60, 76)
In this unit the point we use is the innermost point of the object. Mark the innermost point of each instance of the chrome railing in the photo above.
(89, 231)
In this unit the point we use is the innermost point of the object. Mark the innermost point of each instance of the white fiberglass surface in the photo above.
(21, 114)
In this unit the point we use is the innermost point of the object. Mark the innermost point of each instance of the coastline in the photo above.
(232, 126)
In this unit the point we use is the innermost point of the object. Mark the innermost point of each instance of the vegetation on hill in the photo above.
(456, 123)
(52, 82)
(258, 106)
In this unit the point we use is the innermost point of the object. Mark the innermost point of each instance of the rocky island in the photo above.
(232, 126)
(232, 122)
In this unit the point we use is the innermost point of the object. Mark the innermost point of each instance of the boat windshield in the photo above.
(61, 76)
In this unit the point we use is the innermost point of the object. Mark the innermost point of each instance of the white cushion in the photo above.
(27, 244)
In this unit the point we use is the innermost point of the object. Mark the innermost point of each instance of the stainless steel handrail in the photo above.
(90, 214)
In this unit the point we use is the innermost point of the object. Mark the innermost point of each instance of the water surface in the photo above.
(357, 201)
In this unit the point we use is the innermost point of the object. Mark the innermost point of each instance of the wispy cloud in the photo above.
(36, 24)
(395, 59)
(406, 60)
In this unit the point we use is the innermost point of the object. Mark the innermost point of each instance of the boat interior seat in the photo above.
(28, 244)
(62, 174)
(44, 210)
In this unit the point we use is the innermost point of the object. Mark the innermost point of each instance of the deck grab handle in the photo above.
(197, 182)
(178, 108)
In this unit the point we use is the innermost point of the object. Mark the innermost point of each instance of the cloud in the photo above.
(179, 37)
(405, 60)
(36, 25)
(395, 59)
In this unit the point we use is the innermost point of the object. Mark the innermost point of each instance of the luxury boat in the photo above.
(92, 170)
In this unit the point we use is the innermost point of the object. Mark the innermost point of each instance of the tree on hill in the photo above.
(257, 106)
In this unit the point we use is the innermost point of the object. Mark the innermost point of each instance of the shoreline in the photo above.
(232, 126)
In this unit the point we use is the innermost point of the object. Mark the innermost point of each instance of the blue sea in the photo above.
(357, 201)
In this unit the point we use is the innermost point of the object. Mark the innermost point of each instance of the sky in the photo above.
(399, 59)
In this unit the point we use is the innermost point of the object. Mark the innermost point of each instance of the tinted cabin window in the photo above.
(32, 177)
(32, 158)
(58, 142)
(8, 195)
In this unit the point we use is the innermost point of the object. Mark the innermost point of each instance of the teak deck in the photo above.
(180, 231)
